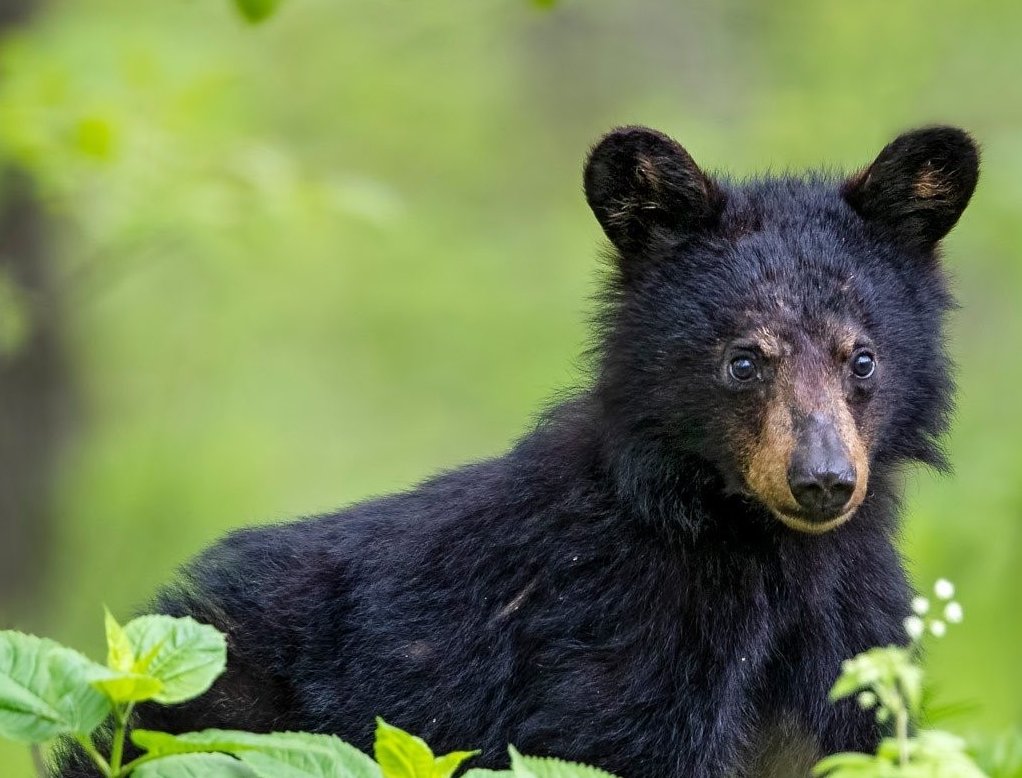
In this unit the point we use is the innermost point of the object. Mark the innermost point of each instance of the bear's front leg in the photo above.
(866, 614)
(798, 726)
(656, 714)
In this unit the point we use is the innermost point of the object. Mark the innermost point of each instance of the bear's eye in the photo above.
(864, 364)
(743, 368)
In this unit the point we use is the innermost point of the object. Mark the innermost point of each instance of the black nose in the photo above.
(823, 494)
(820, 475)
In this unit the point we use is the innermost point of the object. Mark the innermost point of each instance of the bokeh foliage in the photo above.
(320, 258)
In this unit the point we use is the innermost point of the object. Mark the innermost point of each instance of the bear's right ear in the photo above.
(641, 185)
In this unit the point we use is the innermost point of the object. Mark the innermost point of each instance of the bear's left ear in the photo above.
(918, 186)
(641, 184)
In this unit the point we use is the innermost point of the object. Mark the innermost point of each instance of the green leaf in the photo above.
(257, 11)
(546, 767)
(445, 766)
(479, 772)
(944, 754)
(127, 687)
(120, 656)
(889, 749)
(293, 763)
(845, 686)
(184, 655)
(195, 766)
(45, 690)
(930, 754)
(208, 740)
(849, 765)
(276, 755)
(401, 755)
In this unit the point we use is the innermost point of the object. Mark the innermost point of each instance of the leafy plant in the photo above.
(49, 691)
(889, 681)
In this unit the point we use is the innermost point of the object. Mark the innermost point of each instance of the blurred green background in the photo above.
(249, 273)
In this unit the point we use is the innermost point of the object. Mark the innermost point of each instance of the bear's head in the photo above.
(785, 332)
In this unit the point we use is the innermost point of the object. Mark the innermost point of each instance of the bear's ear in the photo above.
(918, 186)
(641, 185)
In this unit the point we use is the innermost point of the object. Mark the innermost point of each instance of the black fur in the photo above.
(919, 185)
(604, 592)
(641, 184)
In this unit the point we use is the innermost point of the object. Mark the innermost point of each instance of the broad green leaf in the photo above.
(195, 766)
(119, 656)
(889, 749)
(257, 10)
(45, 690)
(845, 686)
(276, 755)
(944, 754)
(401, 755)
(184, 655)
(446, 765)
(479, 772)
(128, 687)
(294, 763)
(122, 683)
(228, 741)
(932, 754)
(851, 764)
(545, 767)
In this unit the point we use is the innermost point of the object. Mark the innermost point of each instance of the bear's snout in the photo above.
(821, 474)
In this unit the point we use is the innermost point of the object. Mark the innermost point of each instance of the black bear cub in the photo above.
(663, 577)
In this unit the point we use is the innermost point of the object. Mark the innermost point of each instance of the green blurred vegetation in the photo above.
(318, 259)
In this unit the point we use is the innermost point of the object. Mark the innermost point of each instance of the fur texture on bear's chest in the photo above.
(520, 601)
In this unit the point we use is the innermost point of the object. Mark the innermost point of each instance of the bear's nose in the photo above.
(822, 494)
(820, 475)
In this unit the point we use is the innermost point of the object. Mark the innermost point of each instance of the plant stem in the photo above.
(121, 716)
(901, 723)
(85, 741)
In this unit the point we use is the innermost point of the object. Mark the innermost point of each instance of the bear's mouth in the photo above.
(812, 526)
(798, 520)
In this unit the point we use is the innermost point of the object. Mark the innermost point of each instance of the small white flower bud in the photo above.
(953, 613)
(938, 628)
(915, 627)
(920, 606)
(944, 589)
(866, 700)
